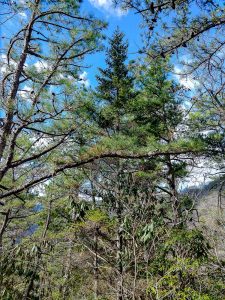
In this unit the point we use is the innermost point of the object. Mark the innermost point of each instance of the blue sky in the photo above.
(127, 22)
(101, 9)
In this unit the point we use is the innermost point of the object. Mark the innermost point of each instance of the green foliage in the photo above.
(115, 85)
(111, 226)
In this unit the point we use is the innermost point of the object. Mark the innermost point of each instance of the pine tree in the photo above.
(114, 92)
(115, 84)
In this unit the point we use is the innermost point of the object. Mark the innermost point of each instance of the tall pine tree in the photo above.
(115, 85)
(114, 93)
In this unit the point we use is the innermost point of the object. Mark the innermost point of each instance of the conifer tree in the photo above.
(115, 84)
(114, 92)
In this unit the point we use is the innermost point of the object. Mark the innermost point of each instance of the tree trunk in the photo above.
(96, 270)
(64, 287)
(173, 190)
(3, 228)
(119, 253)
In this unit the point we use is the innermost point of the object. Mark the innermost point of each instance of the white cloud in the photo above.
(3, 57)
(63, 76)
(202, 173)
(4, 67)
(23, 15)
(84, 80)
(185, 80)
(108, 7)
(41, 65)
(25, 92)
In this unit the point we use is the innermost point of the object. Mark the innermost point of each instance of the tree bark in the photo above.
(119, 253)
(3, 228)
(96, 268)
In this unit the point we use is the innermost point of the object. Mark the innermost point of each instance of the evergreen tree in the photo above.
(115, 84)
(114, 92)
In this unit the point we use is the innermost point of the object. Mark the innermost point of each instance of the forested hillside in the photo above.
(112, 189)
